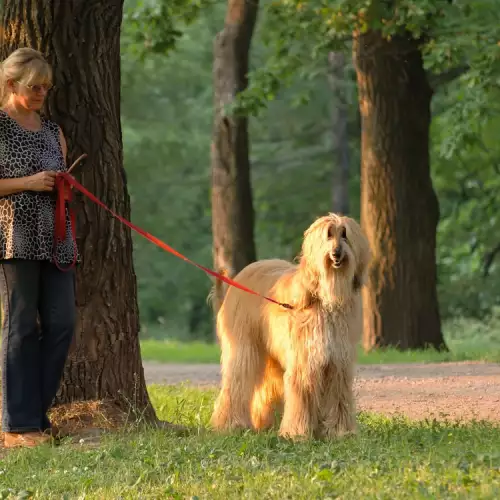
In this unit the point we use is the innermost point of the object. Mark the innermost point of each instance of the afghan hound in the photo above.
(301, 359)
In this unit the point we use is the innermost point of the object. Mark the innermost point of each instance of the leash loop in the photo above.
(63, 183)
(64, 196)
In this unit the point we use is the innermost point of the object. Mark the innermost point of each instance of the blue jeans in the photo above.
(33, 355)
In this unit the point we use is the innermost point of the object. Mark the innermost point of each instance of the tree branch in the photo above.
(448, 76)
(488, 260)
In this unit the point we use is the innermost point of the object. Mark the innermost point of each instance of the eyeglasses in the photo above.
(37, 88)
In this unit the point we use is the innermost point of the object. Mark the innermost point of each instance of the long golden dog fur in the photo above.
(300, 360)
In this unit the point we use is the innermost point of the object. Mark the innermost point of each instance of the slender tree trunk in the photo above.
(399, 210)
(81, 39)
(340, 188)
(232, 207)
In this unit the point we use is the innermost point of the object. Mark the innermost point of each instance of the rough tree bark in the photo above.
(232, 206)
(399, 208)
(81, 39)
(340, 187)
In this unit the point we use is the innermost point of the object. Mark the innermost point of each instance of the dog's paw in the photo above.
(296, 438)
(338, 430)
(294, 434)
(228, 424)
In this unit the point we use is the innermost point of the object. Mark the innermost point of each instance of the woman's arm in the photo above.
(43, 181)
(11, 186)
(64, 146)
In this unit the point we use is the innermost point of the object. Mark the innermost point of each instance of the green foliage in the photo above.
(167, 121)
(167, 351)
(389, 458)
(153, 26)
(299, 33)
(167, 160)
(457, 40)
(466, 170)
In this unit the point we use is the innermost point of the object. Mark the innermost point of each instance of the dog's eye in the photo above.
(331, 232)
(344, 234)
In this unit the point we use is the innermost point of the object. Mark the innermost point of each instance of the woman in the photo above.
(32, 151)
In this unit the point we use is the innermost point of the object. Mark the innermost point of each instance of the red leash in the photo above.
(64, 194)
(63, 183)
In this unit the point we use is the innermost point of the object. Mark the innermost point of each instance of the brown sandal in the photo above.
(25, 439)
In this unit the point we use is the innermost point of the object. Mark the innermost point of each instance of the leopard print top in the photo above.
(27, 218)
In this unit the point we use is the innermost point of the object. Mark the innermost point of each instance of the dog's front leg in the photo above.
(297, 419)
(339, 408)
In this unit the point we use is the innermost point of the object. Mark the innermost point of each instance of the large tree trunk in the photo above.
(232, 208)
(399, 208)
(337, 78)
(81, 39)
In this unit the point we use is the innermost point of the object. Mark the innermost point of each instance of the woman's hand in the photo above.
(43, 181)
(68, 190)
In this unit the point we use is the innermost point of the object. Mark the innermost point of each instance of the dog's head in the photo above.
(335, 252)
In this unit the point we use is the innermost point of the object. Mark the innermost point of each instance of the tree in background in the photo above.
(167, 145)
(399, 207)
(232, 206)
(232, 214)
(403, 55)
(340, 115)
(84, 50)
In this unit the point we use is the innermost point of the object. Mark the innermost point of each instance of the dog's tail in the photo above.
(218, 290)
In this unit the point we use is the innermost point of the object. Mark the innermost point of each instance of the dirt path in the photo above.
(455, 391)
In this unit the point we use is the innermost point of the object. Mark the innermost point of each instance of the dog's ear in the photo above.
(305, 286)
(356, 283)
(361, 248)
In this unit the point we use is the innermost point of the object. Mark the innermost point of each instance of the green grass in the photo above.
(388, 459)
(170, 351)
(198, 352)
(468, 340)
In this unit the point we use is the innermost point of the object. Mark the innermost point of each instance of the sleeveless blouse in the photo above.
(27, 218)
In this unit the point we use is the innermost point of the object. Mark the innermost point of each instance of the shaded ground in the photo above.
(455, 391)
(85, 422)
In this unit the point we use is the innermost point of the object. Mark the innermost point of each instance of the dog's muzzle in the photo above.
(337, 256)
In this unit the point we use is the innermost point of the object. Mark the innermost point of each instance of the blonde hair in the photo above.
(25, 65)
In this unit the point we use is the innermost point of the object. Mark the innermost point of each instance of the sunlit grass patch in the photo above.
(389, 458)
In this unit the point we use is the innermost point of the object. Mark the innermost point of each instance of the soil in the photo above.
(444, 391)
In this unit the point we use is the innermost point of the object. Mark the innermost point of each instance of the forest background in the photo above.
(167, 113)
